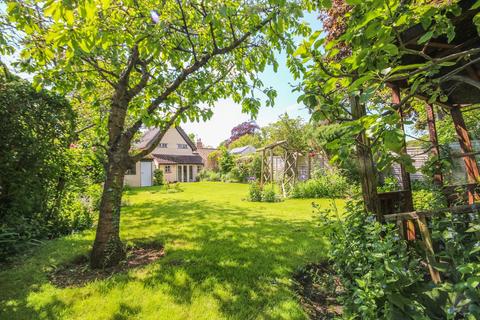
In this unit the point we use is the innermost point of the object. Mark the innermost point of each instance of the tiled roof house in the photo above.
(176, 155)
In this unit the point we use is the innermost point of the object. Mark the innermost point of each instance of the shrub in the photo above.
(44, 174)
(209, 175)
(425, 200)
(229, 177)
(458, 296)
(382, 278)
(158, 178)
(255, 192)
(427, 196)
(225, 161)
(328, 184)
(270, 195)
(390, 183)
(240, 172)
(267, 194)
(247, 168)
(373, 266)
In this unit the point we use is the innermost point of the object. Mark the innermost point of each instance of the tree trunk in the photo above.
(368, 175)
(108, 249)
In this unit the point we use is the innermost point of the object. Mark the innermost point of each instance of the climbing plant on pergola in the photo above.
(427, 51)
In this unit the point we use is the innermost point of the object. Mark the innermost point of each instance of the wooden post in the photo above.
(309, 166)
(471, 166)
(367, 170)
(401, 231)
(428, 247)
(432, 130)
(406, 182)
(271, 166)
(263, 168)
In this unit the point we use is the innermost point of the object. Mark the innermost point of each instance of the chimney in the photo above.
(199, 143)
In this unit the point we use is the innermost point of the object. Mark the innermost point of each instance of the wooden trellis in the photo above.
(267, 167)
(289, 172)
(289, 175)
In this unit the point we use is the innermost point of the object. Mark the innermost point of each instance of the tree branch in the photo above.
(434, 62)
(142, 83)
(156, 140)
(185, 27)
(125, 75)
(191, 69)
(101, 71)
(466, 80)
(232, 30)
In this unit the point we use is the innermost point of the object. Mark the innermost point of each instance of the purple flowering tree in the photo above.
(247, 127)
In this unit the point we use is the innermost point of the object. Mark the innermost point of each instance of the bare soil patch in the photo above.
(78, 272)
(318, 289)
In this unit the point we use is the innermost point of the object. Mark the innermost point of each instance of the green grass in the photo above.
(225, 259)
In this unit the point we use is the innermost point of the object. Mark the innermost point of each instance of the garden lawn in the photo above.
(226, 258)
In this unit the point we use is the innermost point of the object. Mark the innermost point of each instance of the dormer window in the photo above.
(163, 145)
(182, 146)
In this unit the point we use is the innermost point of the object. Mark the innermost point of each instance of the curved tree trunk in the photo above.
(368, 174)
(108, 249)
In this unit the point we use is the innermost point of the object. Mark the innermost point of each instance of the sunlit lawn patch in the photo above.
(224, 258)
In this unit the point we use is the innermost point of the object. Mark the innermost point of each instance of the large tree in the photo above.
(150, 63)
(291, 130)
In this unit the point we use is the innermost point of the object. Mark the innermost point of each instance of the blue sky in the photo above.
(227, 113)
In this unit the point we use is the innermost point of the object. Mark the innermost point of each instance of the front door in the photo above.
(145, 173)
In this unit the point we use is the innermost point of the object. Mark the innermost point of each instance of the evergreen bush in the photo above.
(158, 177)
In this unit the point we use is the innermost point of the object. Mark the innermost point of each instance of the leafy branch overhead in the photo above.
(368, 45)
(158, 57)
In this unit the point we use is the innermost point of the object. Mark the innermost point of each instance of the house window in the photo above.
(132, 170)
(168, 169)
(182, 146)
(163, 145)
(199, 168)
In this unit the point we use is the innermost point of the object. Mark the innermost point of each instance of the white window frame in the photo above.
(168, 169)
(163, 145)
(182, 146)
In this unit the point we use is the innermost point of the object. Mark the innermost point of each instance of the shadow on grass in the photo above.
(237, 255)
(242, 259)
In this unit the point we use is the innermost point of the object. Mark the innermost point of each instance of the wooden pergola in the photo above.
(461, 83)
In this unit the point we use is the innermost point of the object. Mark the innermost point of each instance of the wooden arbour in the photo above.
(290, 159)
